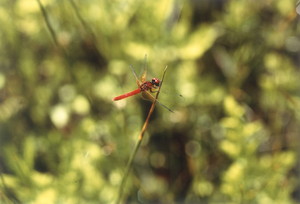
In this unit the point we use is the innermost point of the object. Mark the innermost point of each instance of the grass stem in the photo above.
(139, 142)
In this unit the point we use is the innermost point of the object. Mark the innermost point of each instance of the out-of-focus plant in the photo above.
(232, 139)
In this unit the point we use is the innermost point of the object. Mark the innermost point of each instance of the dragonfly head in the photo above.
(155, 81)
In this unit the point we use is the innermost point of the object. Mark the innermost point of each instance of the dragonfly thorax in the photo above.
(149, 85)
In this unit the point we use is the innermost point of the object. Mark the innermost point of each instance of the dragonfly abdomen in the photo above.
(131, 93)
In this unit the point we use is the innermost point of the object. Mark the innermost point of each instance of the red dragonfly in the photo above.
(145, 88)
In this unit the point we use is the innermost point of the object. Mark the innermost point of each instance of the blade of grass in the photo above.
(139, 142)
(85, 25)
(51, 29)
(48, 24)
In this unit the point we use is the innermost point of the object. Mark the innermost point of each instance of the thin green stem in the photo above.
(82, 21)
(139, 142)
(48, 24)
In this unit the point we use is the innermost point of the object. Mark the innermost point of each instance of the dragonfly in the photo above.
(144, 87)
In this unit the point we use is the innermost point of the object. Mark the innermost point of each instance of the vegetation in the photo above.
(232, 139)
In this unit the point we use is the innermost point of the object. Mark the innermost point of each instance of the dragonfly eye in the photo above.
(155, 81)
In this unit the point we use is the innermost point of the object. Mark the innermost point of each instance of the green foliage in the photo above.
(232, 139)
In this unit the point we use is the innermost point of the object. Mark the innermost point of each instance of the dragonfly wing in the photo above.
(138, 82)
(148, 96)
(144, 70)
(143, 74)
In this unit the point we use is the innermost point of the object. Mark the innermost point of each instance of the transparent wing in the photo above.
(138, 82)
(143, 74)
(144, 70)
(148, 96)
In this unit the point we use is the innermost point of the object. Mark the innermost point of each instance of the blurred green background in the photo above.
(233, 138)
